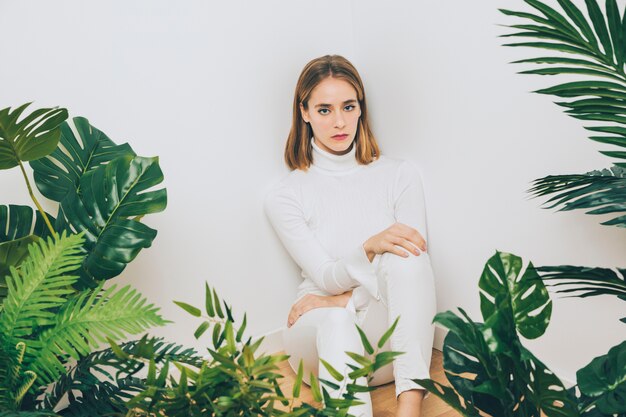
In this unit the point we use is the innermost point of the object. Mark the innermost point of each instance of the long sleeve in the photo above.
(408, 198)
(334, 276)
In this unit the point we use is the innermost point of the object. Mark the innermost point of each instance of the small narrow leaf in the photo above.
(388, 333)
(333, 372)
(189, 308)
(201, 329)
(366, 343)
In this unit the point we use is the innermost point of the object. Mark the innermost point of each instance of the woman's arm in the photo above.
(408, 198)
(334, 276)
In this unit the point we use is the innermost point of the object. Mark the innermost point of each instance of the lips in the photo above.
(341, 136)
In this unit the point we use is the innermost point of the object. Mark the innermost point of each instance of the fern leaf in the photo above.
(40, 285)
(86, 321)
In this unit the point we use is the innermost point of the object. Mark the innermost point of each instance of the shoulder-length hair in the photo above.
(298, 150)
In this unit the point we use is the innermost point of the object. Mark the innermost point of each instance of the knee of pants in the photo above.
(414, 267)
(338, 333)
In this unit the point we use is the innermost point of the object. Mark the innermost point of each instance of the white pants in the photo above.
(407, 290)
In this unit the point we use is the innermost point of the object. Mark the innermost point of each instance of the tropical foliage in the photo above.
(237, 381)
(485, 362)
(54, 309)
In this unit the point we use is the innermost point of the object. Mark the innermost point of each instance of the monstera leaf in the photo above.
(60, 172)
(508, 382)
(32, 137)
(508, 295)
(20, 221)
(109, 199)
(604, 381)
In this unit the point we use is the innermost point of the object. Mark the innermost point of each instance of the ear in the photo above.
(304, 113)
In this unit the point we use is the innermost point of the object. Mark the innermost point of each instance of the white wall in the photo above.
(208, 87)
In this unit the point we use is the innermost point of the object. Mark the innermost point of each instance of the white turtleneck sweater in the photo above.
(325, 214)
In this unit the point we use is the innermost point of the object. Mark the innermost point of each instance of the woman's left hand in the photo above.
(311, 301)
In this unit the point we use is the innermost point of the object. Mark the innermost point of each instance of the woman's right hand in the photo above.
(392, 239)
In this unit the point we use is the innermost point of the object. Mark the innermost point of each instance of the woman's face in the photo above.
(333, 113)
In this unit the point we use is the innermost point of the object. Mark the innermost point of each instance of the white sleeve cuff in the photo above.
(350, 305)
(361, 270)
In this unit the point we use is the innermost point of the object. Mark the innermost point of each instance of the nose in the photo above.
(339, 120)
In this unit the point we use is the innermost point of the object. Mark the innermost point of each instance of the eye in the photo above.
(321, 110)
(352, 107)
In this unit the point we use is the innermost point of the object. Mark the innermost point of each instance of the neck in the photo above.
(332, 163)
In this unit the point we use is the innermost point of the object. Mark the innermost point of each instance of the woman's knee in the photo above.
(413, 267)
(339, 329)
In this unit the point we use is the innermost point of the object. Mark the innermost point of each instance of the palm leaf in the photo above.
(582, 38)
(599, 192)
(32, 137)
(60, 172)
(586, 280)
(95, 369)
(111, 198)
(86, 321)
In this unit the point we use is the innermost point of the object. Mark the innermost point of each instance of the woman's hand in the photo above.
(388, 240)
(311, 301)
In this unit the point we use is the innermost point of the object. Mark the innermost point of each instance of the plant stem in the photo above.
(30, 191)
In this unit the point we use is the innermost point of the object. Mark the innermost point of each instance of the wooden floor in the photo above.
(384, 398)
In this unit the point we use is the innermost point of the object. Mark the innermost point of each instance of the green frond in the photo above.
(107, 378)
(602, 192)
(585, 280)
(86, 321)
(40, 286)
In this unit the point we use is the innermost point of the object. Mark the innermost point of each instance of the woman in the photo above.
(354, 221)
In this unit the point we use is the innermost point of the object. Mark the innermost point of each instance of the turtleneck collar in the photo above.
(335, 164)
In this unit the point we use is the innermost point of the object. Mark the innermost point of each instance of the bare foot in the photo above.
(410, 403)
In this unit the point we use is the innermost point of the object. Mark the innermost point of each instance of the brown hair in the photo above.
(298, 150)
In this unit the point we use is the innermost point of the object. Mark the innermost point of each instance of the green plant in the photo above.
(46, 322)
(53, 307)
(506, 379)
(234, 380)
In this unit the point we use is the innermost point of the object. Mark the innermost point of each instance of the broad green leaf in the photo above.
(604, 380)
(31, 137)
(60, 172)
(506, 291)
(20, 221)
(111, 196)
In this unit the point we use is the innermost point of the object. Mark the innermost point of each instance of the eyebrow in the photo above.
(329, 105)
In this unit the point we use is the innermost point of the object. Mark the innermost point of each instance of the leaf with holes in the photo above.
(505, 291)
(59, 173)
